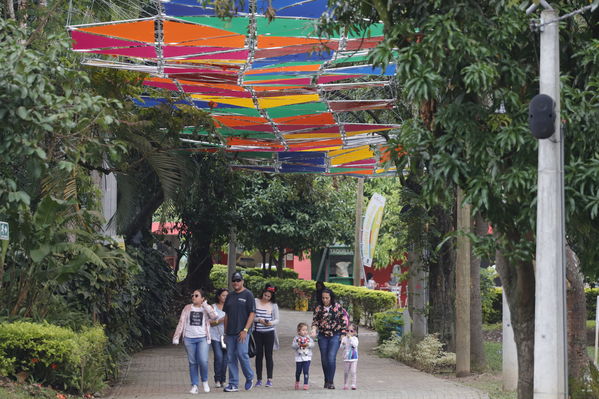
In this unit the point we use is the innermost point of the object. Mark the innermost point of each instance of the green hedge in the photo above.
(361, 302)
(387, 323)
(494, 315)
(54, 355)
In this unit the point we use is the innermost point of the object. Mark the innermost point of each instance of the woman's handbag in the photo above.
(251, 346)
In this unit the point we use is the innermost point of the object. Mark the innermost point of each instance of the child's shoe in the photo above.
(353, 388)
(297, 385)
(306, 386)
(345, 387)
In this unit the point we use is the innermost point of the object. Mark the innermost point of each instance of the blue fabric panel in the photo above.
(286, 8)
(316, 57)
(285, 168)
(314, 158)
(147, 102)
(188, 8)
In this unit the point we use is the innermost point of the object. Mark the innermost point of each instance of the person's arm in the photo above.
(275, 315)
(225, 322)
(210, 310)
(315, 320)
(179, 329)
(294, 344)
(244, 333)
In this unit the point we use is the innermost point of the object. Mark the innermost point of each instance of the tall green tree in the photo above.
(469, 69)
(295, 213)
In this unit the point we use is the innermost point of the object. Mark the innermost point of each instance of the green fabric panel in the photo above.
(246, 134)
(190, 130)
(354, 58)
(285, 27)
(255, 155)
(372, 30)
(237, 25)
(297, 109)
(238, 111)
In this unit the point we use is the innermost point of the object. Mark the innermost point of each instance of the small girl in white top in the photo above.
(350, 357)
(302, 343)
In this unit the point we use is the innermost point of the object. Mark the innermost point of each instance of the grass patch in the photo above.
(492, 386)
(591, 324)
(10, 390)
(494, 356)
(492, 327)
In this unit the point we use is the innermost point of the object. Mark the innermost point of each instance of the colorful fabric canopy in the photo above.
(267, 84)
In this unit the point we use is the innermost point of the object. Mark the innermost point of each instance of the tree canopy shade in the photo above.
(266, 82)
(470, 69)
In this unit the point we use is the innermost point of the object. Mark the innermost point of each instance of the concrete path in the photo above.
(163, 373)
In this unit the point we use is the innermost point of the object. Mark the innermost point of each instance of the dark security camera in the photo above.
(541, 116)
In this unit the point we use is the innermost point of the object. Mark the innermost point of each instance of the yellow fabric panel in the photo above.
(241, 102)
(270, 102)
(351, 155)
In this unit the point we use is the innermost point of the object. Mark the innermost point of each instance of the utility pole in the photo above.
(550, 353)
(358, 235)
(509, 352)
(462, 302)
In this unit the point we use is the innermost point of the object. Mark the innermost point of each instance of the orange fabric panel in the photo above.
(141, 30)
(238, 141)
(317, 119)
(231, 41)
(175, 32)
(239, 120)
(279, 41)
(271, 88)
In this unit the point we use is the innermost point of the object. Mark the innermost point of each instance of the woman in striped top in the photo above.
(265, 335)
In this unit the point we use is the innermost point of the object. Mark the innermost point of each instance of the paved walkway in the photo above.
(163, 373)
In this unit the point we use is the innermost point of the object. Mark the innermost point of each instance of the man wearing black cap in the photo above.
(240, 309)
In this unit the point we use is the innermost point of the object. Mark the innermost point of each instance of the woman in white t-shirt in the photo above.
(195, 329)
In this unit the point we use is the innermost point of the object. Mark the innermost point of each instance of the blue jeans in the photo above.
(197, 355)
(220, 361)
(329, 346)
(238, 351)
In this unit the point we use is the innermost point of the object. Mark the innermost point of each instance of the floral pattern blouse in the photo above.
(329, 320)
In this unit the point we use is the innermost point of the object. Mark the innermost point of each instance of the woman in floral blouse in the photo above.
(329, 323)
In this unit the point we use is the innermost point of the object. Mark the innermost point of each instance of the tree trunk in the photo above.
(441, 282)
(577, 316)
(10, 9)
(199, 263)
(416, 295)
(477, 351)
(281, 262)
(518, 280)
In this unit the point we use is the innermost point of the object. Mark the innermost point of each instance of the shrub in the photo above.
(360, 302)
(426, 355)
(54, 355)
(388, 323)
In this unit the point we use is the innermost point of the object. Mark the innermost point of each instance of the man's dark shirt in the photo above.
(238, 307)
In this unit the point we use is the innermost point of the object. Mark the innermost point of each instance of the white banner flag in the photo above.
(370, 228)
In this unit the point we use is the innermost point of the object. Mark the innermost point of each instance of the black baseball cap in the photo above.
(236, 276)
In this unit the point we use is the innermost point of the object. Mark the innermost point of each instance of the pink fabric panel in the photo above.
(215, 91)
(233, 55)
(141, 52)
(176, 51)
(332, 78)
(84, 40)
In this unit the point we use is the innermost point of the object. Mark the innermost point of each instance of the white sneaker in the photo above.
(194, 390)
(206, 387)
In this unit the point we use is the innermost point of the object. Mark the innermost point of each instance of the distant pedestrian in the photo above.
(265, 333)
(329, 322)
(370, 282)
(193, 326)
(350, 357)
(240, 309)
(302, 343)
(316, 296)
(217, 332)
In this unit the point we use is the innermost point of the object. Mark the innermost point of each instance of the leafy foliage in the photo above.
(54, 355)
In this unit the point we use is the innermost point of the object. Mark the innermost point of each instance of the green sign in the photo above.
(3, 231)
